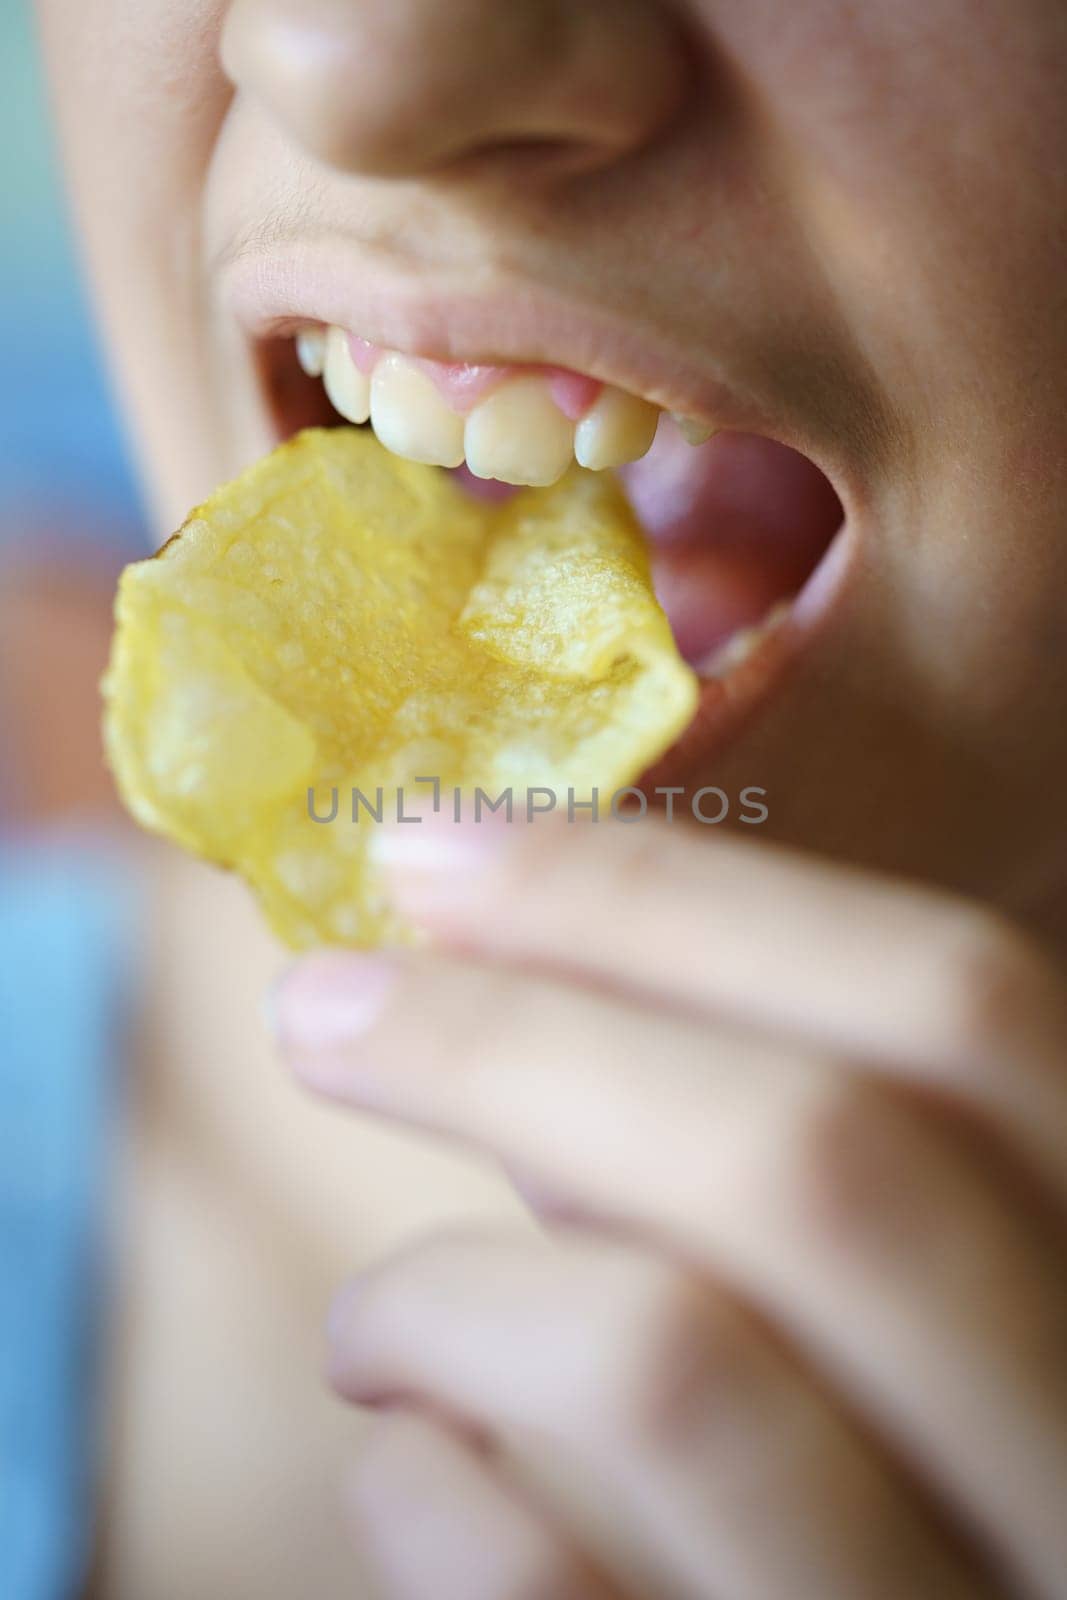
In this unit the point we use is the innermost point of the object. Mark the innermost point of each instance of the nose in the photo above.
(405, 88)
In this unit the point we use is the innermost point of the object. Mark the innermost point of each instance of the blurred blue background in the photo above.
(69, 509)
(69, 519)
(61, 455)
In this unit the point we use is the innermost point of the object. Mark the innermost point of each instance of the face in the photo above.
(831, 228)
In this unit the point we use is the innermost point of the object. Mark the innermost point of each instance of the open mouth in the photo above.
(746, 533)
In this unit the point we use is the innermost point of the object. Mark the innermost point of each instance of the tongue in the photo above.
(737, 524)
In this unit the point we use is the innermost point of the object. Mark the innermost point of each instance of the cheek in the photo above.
(918, 142)
(908, 104)
(139, 99)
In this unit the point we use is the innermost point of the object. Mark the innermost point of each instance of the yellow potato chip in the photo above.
(337, 625)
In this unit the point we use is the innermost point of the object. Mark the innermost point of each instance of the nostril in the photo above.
(393, 89)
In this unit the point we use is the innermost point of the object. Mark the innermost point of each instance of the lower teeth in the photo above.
(741, 646)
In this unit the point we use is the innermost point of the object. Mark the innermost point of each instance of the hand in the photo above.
(796, 1323)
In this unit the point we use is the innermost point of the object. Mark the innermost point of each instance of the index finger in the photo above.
(752, 932)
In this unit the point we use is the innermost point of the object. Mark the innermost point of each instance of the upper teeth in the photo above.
(410, 417)
(347, 387)
(618, 427)
(516, 433)
(692, 430)
(311, 350)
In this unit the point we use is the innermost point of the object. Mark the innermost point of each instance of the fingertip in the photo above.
(326, 1000)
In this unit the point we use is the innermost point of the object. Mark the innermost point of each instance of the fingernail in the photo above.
(427, 862)
(327, 1000)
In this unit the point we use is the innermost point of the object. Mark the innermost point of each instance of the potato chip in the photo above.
(338, 627)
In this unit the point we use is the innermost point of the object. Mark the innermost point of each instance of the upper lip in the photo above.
(274, 290)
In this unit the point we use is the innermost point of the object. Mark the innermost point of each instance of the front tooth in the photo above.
(410, 417)
(618, 427)
(347, 387)
(311, 350)
(691, 430)
(518, 435)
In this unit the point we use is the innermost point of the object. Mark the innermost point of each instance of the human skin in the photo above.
(865, 230)
(852, 224)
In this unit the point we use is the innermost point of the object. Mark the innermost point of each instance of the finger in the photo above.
(922, 983)
(437, 1519)
(703, 1459)
(846, 1214)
